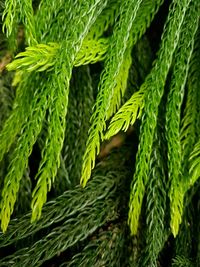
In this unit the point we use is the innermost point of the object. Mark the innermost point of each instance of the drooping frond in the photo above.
(180, 69)
(189, 124)
(26, 16)
(20, 155)
(156, 233)
(105, 20)
(120, 85)
(68, 212)
(113, 62)
(103, 250)
(182, 262)
(154, 84)
(16, 12)
(194, 162)
(20, 110)
(81, 101)
(131, 110)
(56, 120)
(9, 16)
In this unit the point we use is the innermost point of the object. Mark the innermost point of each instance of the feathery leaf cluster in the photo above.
(101, 90)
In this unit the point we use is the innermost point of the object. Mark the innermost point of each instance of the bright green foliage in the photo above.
(127, 114)
(43, 57)
(76, 73)
(194, 163)
(40, 58)
(129, 13)
(154, 83)
(180, 70)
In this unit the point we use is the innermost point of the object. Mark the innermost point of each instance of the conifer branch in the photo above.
(182, 262)
(154, 83)
(156, 232)
(23, 149)
(43, 57)
(9, 16)
(113, 62)
(70, 211)
(26, 14)
(57, 111)
(180, 69)
(132, 109)
(105, 249)
(21, 108)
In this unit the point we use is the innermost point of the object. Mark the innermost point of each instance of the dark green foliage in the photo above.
(105, 94)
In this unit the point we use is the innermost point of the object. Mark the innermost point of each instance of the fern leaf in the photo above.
(189, 124)
(113, 64)
(80, 109)
(194, 163)
(92, 51)
(154, 84)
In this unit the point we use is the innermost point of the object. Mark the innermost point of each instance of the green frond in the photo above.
(131, 110)
(98, 204)
(156, 227)
(154, 86)
(105, 20)
(20, 155)
(189, 123)
(21, 106)
(9, 16)
(194, 161)
(26, 16)
(23, 201)
(173, 114)
(103, 250)
(126, 115)
(40, 57)
(181, 261)
(113, 62)
(50, 161)
(43, 57)
(81, 101)
(193, 84)
(16, 12)
(121, 84)
(92, 51)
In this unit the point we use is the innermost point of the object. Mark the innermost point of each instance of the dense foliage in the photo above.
(99, 133)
